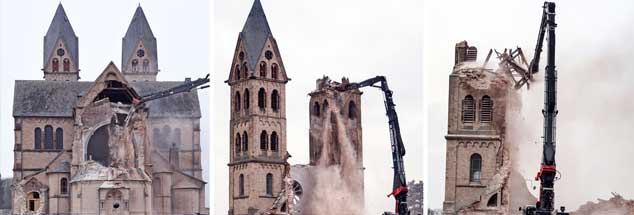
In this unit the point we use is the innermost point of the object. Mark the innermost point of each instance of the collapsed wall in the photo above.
(616, 205)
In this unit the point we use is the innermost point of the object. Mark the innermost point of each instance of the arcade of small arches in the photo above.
(245, 104)
(51, 141)
(140, 57)
(318, 109)
(267, 142)
(241, 71)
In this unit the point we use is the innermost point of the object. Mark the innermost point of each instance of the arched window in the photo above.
(486, 109)
(269, 184)
(237, 72)
(32, 201)
(264, 141)
(493, 201)
(237, 102)
(135, 65)
(274, 141)
(156, 137)
(38, 138)
(146, 65)
(167, 136)
(55, 65)
(245, 141)
(238, 142)
(241, 185)
(177, 137)
(274, 70)
(468, 109)
(352, 110)
(48, 137)
(262, 99)
(247, 99)
(325, 106)
(275, 101)
(316, 109)
(63, 186)
(475, 168)
(263, 69)
(66, 65)
(59, 138)
(245, 69)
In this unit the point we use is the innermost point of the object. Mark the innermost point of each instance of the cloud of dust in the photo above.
(594, 124)
(335, 187)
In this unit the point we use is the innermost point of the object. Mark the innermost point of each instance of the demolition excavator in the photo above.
(399, 186)
(185, 87)
(547, 174)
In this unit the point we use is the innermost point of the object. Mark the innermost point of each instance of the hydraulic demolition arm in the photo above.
(399, 186)
(547, 173)
(185, 87)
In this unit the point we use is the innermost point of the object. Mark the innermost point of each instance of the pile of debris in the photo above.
(615, 205)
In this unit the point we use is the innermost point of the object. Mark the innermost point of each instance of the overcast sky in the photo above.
(357, 39)
(181, 29)
(594, 52)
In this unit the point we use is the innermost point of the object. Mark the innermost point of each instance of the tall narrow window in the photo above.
(274, 70)
(38, 138)
(177, 137)
(262, 99)
(468, 109)
(269, 184)
(237, 72)
(241, 185)
(275, 101)
(475, 168)
(274, 141)
(237, 102)
(32, 201)
(55, 65)
(165, 140)
(156, 137)
(135, 65)
(66, 65)
(245, 69)
(59, 138)
(316, 109)
(146, 65)
(486, 109)
(245, 142)
(264, 141)
(238, 143)
(352, 110)
(63, 186)
(262, 69)
(247, 99)
(325, 106)
(48, 137)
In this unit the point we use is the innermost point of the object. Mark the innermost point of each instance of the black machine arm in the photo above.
(399, 186)
(185, 87)
(547, 173)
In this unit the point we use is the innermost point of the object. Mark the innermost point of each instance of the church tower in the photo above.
(139, 54)
(61, 49)
(258, 117)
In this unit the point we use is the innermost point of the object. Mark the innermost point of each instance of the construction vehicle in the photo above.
(547, 174)
(399, 186)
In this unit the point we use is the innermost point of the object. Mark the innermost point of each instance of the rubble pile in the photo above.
(616, 205)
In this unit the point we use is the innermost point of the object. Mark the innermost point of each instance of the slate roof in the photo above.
(60, 28)
(39, 98)
(254, 34)
(139, 29)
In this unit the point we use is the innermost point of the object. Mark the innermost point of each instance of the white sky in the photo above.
(181, 29)
(358, 39)
(594, 51)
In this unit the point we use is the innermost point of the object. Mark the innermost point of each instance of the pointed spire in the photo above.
(138, 30)
(254, 33)
(61, 28)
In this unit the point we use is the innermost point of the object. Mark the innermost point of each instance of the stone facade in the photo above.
(258, 118)
(81, 147)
